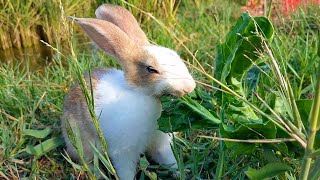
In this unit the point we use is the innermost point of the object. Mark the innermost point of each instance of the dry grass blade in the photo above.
(9, 116)
(212, 87)
(3, 175)
(279, 140)
(292, 131)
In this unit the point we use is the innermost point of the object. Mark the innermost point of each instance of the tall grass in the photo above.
(24, 23)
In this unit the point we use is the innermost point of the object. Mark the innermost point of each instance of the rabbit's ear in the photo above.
(108, 37)
(124, 20)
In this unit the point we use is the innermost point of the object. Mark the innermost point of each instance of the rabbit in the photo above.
(127, 101)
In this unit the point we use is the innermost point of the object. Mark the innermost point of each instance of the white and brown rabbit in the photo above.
(126, 101)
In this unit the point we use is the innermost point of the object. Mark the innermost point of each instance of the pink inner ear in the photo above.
(100, 39)
(124, 20)
(107, 36)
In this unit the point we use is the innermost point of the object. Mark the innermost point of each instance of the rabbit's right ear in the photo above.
(122, 18)
(108, 37)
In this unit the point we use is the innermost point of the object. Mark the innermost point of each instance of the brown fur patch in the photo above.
(109, 37)
(136, 73)
(75, 111)
(75, 93)
(122, 18)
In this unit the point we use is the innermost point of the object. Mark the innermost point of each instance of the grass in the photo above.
(24, 23)
(33, 101)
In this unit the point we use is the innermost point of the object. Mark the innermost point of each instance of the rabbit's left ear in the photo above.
(122, 18)
(111, 39)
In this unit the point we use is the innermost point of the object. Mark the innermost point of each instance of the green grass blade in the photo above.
(268, 171)
(40, 134)
(315, 153)
(221, 161)
(44, 147)
(77, 166)
(102, 158)
(314, 121)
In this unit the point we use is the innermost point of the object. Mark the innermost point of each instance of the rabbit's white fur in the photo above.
(128, 119)
(176, 73)
(128, 116)
(126, 102)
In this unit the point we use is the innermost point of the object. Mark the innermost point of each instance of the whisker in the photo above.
(176, 74)
(168, 64)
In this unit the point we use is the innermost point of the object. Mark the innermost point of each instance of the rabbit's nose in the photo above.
(189, 86)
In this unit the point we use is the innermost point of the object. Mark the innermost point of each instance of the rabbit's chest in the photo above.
(127, 117)
(114, 99)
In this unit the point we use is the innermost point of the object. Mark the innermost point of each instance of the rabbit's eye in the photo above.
(150, 69)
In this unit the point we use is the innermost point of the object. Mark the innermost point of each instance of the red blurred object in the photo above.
(292, 5)
(256, 7)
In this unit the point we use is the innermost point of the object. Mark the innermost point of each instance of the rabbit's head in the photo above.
(152, 69)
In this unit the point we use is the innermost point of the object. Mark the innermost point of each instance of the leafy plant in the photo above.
(243, 61)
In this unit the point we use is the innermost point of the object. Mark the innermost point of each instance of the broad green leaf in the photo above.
(246, 55)
(263, 25)
(248, 29)
(304, 107)
(257, 130)
(240, 148)
(151, 175)
(279, 105)
(270, 156)
(281, 148)
(227, 67)
(198, 108)
(40, 134)
(247, 131)
(268, 171)
(235, 57)
(317, 141)
(44, 147)
(178, 116)
(144, 163)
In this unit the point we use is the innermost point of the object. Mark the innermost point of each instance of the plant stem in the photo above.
(314, 118)
(219, 170)
(270, 8)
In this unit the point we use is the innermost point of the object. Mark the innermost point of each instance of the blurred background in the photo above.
(23, 23)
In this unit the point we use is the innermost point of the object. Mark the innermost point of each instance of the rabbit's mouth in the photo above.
(172, 93)
(178, 93)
